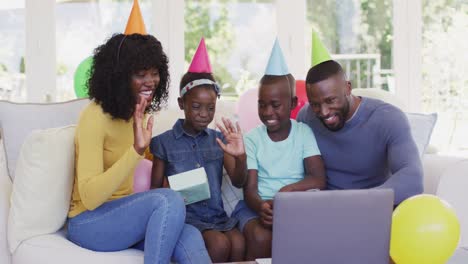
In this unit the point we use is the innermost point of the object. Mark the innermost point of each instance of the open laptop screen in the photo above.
(346, 226)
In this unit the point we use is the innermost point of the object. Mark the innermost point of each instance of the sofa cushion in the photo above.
(230, 194)
(55, 248)
(165, 119)
(380, 94)
(460, 256)
(44, 177)
(17, 120)
(422, 126)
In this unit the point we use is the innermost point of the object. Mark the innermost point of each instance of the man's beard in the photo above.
(342, 114)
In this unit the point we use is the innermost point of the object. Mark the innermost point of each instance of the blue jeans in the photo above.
(153, 220)
(244, 214)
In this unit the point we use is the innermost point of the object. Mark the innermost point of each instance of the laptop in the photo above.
(332, 227)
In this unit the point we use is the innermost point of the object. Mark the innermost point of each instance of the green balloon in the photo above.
(82, 76)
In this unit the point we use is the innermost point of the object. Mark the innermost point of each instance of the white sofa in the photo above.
(55, 248)
(16, 122)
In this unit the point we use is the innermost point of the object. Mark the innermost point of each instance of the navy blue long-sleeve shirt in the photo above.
(374, 149)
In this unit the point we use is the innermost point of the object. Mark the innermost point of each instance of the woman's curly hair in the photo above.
(114, 63)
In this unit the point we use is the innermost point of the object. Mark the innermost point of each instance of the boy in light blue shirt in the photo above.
(282, 156)
(279, 164)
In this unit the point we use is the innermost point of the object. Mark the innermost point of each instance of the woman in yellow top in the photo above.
(129, 77)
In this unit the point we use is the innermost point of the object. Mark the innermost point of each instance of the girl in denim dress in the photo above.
(190, 144)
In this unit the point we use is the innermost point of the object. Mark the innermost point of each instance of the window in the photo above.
(12, 50)
(358, 33)
(239, 36)
(444, 68)
(82, 26)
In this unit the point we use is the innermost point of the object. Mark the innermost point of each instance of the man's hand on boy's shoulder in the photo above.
(287, 188)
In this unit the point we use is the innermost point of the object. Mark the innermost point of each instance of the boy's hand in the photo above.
(141, 135)
(233, 136)
(266, 213)
(287, 188)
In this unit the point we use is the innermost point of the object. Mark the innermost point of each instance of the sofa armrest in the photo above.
(435, 166)
(5, 192)
(452, 189)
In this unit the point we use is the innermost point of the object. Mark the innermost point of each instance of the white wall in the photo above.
(291, 21)
(40, 58)
(169, 28)
(407, 42)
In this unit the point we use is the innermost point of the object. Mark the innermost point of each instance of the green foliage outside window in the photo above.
(218, 34)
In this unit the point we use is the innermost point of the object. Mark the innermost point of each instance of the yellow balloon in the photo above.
(425, 230)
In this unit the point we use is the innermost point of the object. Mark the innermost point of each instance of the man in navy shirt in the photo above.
(365, 143)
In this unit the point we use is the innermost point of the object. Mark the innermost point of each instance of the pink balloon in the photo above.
(247, 110)
(142, 176)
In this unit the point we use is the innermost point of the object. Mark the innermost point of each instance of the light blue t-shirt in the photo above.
(279, 163)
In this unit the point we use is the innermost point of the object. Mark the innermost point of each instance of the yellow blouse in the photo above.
(105, 160)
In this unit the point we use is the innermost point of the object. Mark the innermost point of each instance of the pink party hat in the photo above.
(200, 61)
